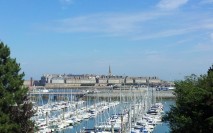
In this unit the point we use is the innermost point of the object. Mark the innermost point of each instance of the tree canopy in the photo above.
(15, 107)
(193, 111)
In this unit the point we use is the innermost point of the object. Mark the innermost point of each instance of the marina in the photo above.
(98, 111)
(106, 66)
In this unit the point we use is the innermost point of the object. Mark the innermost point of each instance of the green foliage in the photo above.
(193, 112)
(15, 108)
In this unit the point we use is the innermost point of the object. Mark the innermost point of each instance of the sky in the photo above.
(168, 39)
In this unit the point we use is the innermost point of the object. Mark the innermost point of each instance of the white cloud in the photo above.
(66, 3)
(164, 33)
(136, 25)
(206, 1)
(151, 52)
(211, 36)
(171, 4)
(203, 48)
(114, 24)
(208, 26)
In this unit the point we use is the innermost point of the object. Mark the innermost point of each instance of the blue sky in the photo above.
(169, 39)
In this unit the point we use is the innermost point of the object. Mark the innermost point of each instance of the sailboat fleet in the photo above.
(135, 114)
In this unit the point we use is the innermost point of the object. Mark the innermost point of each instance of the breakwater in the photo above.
(105, 92)
(130, 93)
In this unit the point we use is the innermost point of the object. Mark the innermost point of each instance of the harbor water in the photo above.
(164, 127)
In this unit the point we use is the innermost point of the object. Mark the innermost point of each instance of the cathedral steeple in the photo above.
(110, 73)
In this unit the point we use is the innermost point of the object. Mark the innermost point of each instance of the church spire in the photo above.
(110, 73)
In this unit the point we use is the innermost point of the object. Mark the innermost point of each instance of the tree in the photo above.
(15, 107)
(193, 111)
